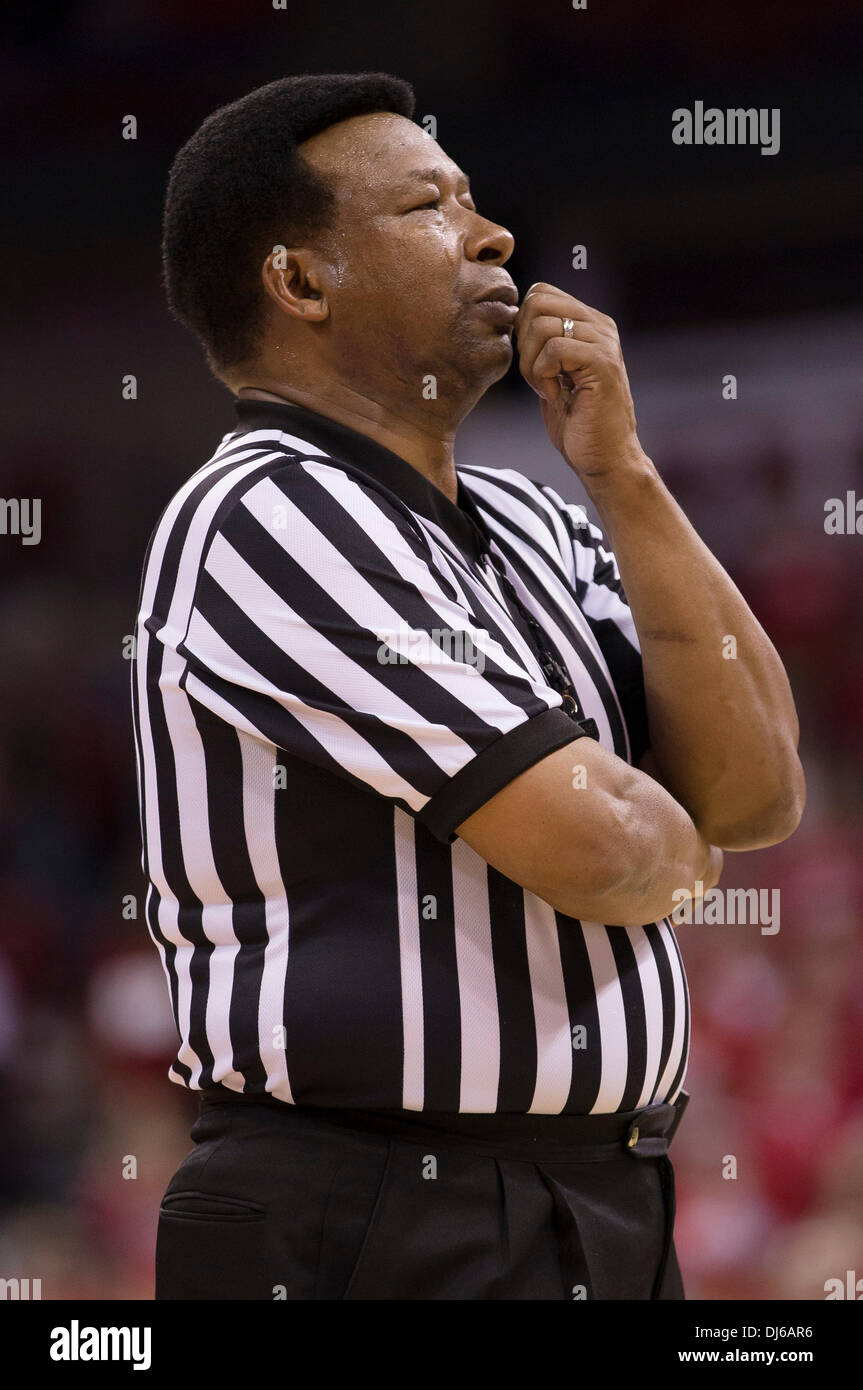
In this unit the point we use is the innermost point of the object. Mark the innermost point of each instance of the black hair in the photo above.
(239, 187)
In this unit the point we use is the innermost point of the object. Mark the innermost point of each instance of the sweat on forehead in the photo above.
(374, 144)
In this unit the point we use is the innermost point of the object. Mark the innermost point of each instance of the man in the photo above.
(422, 760)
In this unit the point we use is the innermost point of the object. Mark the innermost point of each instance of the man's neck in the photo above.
(429, 450)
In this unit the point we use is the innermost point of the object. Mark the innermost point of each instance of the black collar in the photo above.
(462, 522)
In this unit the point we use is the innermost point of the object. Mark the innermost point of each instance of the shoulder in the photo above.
(275, 478)
(528, 509)
(505, 482)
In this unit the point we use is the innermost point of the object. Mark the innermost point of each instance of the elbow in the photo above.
(590, 897)
(766, 820)
(789, 811)
(612, 902)
(612, 884)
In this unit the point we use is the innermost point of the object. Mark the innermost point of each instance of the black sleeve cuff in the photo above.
(512, 753)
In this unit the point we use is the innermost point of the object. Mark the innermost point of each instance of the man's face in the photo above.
(410, 258)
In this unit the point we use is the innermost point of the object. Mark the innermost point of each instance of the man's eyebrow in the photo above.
(436, 176)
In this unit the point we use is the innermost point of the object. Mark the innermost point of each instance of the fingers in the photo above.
(536, 332)
(714, 872)
(586, 355)
(545, 354)
(546, 299)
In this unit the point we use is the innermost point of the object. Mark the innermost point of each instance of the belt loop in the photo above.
(680, 1107)
(653, 1127)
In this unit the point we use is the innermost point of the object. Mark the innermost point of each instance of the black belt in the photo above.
(644, 1133)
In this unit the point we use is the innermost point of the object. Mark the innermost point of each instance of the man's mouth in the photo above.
(499, 304)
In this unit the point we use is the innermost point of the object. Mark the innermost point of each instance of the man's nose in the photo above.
(489, 242)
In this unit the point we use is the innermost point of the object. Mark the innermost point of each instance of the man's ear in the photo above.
(294, 282)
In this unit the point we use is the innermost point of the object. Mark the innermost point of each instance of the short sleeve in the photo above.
(601, 597)
(322, 624)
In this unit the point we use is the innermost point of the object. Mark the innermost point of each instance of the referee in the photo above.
(422, 755)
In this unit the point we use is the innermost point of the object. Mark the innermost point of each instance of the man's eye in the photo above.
(433, 203)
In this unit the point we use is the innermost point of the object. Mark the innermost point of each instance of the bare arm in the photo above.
(723, 725)
(613, 850)
(722, 720)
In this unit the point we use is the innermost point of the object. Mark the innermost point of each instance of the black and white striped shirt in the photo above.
(308, 736)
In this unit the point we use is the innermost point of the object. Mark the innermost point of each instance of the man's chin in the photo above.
(501, 350)
(483, 359)
(495, 344)
(489, 366)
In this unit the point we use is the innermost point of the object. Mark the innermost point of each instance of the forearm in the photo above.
(722, 721)
(617, 850)
(659, 853)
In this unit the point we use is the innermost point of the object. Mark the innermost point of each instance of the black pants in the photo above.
(284, 1202)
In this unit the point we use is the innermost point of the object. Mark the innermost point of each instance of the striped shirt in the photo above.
(336, 666)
